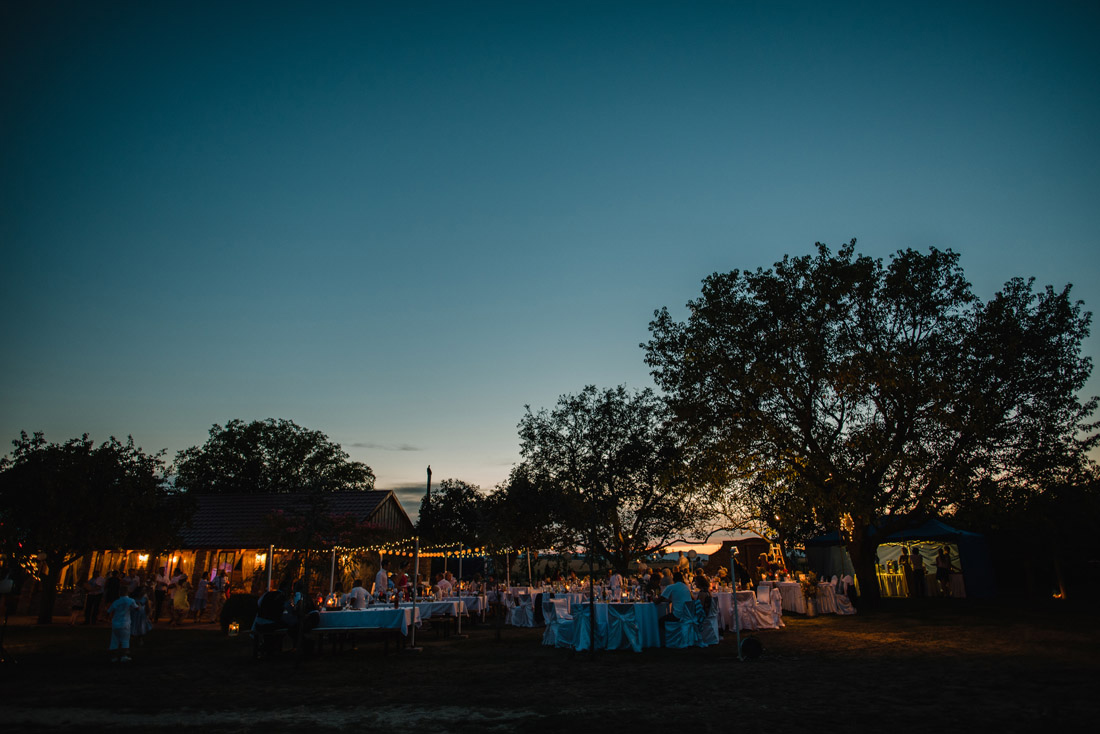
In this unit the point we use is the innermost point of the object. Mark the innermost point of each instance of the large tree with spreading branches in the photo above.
(883, 393)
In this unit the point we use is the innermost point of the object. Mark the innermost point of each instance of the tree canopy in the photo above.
(65, 500)
(614, 470)
(268, 457)
(881, 392)
(457, 515)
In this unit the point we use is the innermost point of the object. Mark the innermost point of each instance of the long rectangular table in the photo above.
(378, 618)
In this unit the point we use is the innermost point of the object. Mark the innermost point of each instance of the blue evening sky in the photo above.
(398, 223)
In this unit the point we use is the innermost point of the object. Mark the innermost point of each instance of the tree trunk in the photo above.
(49, 588)
(862, 551)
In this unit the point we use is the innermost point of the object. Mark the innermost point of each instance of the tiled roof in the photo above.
(240, 520)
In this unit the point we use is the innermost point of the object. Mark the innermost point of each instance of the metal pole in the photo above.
(416, 589)
(332, 575)
(270, 563)
(734, 552)
(591, 594)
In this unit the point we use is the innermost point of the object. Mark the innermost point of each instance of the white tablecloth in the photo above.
(725, 606)
(380, 618)
(435, 608)
(826, 599)
(474, 604)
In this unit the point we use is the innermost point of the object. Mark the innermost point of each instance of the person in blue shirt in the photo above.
(119, 614)
(676, 594)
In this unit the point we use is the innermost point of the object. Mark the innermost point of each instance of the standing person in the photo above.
(382, 579)
(95, 599)
(160, 592)
(198, 604)
(119, 614)
(180, 602)
(112, 589)
(216, 595)
(943, 571)
(139, 617)
(78, 601)
(403, 582)
(916, 574)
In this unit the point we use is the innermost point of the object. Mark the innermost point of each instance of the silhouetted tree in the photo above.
(614, 470)
(66, 500)
(268, 457)
(886, 392)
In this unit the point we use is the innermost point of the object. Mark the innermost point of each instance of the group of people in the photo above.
(911, 565)
(132, 603)
(92, 598)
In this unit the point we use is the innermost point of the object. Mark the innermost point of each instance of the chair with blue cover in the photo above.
(583, 630)
(559, 623)
(622, 628)
(684, 630)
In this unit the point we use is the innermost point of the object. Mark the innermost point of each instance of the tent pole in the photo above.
(332, 574)
(416, 595)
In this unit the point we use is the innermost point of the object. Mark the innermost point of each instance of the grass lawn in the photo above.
(915, 665)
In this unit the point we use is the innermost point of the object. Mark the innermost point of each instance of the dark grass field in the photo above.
(910, 666)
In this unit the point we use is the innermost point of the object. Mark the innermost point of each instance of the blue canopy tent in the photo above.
(973, 553)
(970, 553)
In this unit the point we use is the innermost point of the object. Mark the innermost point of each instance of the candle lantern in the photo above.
(234, 629)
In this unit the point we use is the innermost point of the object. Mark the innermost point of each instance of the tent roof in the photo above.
(932, 530)
(929, 530)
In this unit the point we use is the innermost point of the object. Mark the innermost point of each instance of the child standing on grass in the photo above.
(119, 614)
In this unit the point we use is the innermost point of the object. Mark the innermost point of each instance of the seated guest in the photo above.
(442, 585)
(677, 594)
(269, 614)
(704, 597)
(653, 585)
(357, 597)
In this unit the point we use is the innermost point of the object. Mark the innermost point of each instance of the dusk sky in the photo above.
(398, 223)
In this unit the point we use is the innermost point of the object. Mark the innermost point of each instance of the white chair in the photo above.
(769, 613)
(843, 603)
(523, 614)
(746, 611)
